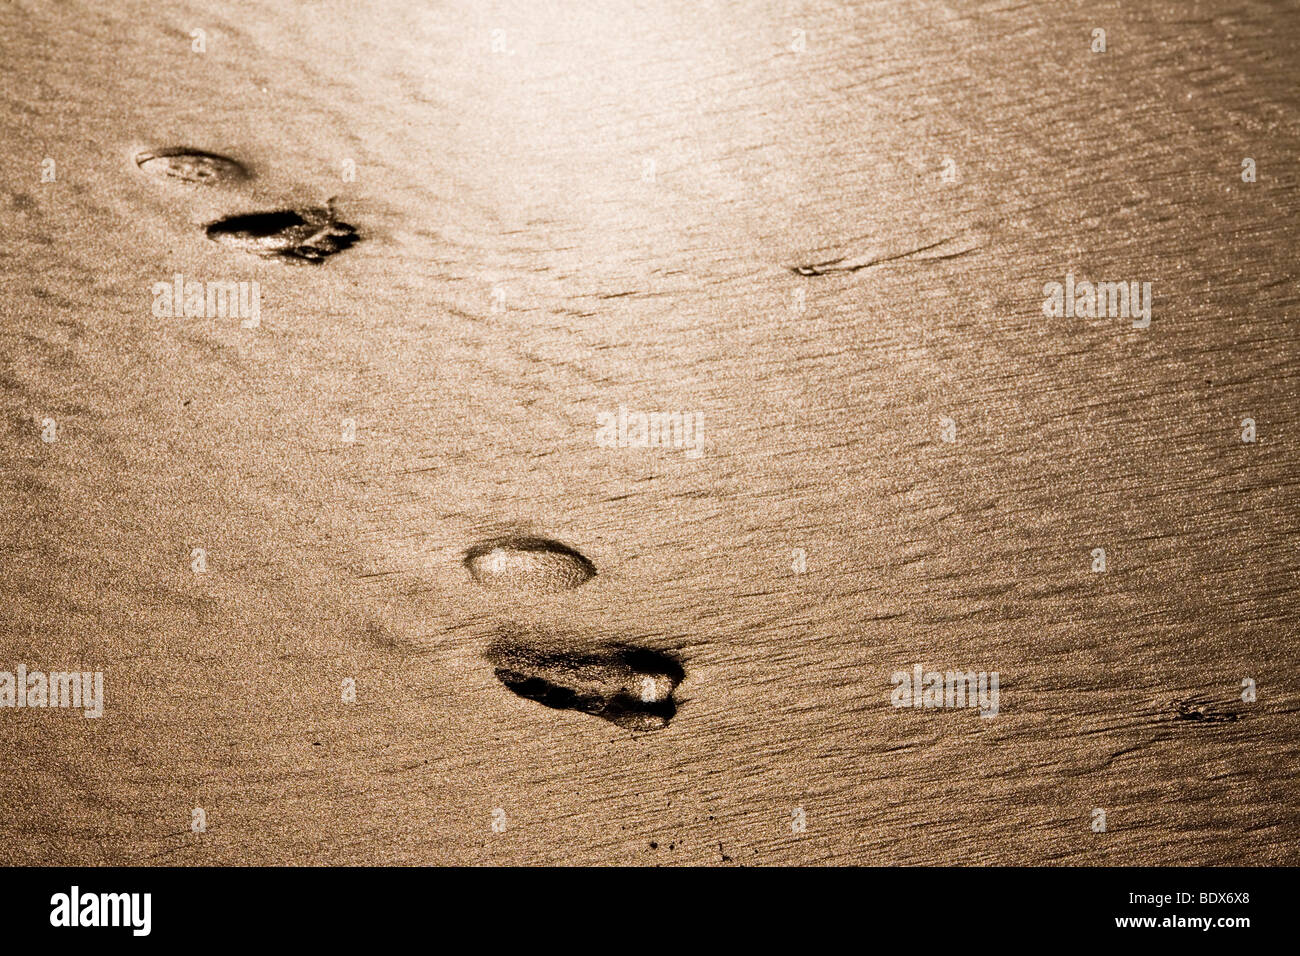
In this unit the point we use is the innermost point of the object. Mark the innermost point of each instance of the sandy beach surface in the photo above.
(824, 228)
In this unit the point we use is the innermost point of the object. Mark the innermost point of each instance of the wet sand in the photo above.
(669, 207)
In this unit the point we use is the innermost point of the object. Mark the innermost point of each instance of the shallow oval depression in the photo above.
(631, 687)
(194, 166)
(536, 565)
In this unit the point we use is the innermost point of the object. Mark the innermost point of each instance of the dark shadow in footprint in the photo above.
(628, 686)
(190, 166)
(527, 564)
(309, 234)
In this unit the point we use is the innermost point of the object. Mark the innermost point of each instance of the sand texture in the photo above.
(816, 232)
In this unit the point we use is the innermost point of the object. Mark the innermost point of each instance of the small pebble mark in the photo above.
(309, 234)
(190, 166)
(528, 564)
(628, 686)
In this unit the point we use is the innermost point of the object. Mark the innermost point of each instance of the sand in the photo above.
(823, 228)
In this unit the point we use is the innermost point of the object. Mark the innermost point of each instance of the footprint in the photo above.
(949, 248)
(528, 564)
(628, 686)
(190, 166)
(1205, 710)
(308, 234)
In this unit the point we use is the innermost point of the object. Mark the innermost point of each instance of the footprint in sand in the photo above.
(950, 247)
(193, 166)
(1203, 709)
(526, 564)
(304, 234)
(628, 686)
(307, 234)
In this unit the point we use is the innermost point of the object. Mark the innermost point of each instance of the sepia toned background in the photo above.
(602, 205)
